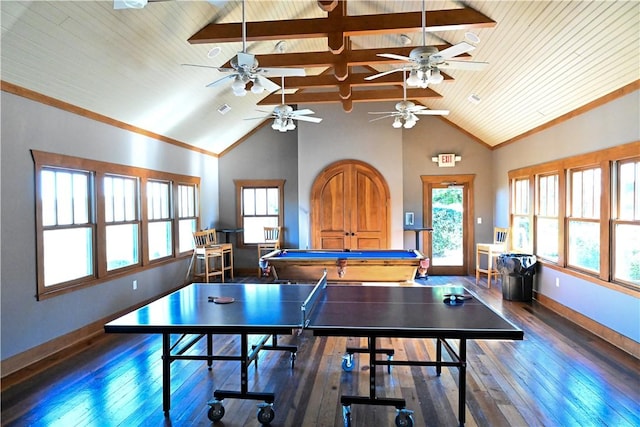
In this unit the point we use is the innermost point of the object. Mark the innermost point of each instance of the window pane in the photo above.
(547, 238)
(248, 201)
(521, 229)
(130, 197)
(187, 201)
(272, 200)
(254, 228)
(627, 253)
(584, 245)
(158, 200)
(48, 189)
(186, 227)
(64, 198)
(629, 180)
(68, 254)
(122, 245)
(80, 199)
(261, 201)
(159, 239)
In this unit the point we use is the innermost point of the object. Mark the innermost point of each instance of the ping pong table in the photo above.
(371, 312)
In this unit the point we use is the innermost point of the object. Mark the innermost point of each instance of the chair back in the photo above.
(501, 236)
(272, 235)
(205, 238)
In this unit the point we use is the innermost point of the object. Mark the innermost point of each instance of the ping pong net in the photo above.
(306, 309)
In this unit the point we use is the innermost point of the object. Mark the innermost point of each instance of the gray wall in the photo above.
(267, 154)
(27, 125)
(613, 124)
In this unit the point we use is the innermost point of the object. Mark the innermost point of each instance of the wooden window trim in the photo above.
(605, 159)
(98, 168)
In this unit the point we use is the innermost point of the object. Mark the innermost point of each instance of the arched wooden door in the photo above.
(350, 207)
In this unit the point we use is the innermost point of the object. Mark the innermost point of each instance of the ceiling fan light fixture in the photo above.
(257, 87)
(397, 123)
(135, 4)
(413, 79)
(435, 77)
(290, 125)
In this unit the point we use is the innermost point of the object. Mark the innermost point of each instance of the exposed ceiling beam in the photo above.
(356, 96)
(337, 26)
(349, 57)
(354, 79)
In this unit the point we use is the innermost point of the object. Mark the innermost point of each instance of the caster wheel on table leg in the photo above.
(265, 413)
(347, 362)
(404, 418)
(216, 411)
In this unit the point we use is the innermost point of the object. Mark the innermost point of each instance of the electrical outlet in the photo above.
(135, 285)
(479, 220)
(557, 282)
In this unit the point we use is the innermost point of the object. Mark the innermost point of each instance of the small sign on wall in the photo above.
(446, 160)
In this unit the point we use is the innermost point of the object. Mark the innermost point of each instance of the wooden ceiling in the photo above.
(546, 59)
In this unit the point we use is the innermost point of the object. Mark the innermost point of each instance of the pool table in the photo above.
(342, 265)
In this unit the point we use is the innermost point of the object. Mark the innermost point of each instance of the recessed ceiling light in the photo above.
(215, 51)
(472, 37)
(405, 39)
(474, 98)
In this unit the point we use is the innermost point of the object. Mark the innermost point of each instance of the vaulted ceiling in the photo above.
(546, 60)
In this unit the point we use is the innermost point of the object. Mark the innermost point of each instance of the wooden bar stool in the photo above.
(491, 250)
(271, 243)
(210, 255)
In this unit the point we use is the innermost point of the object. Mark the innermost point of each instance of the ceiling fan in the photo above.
(425, 61)
(284, 115)
(245, 69)
(407, 112)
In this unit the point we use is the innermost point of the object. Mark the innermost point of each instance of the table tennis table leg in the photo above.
(462, 381)
(166, 372)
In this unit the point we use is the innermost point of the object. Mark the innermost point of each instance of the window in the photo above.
(584, 219)
(66, 220)
(159, 216)
(187, 216)
(121, 221)
(626, 225)
(90, 225)
(521, 222)
(547, 217)
(261, 205)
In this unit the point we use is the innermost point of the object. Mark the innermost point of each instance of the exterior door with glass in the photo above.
(448, 207)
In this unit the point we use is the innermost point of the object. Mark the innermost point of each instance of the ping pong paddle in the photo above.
(222, 300)
(455, 299)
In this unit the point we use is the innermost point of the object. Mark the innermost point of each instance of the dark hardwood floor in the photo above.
(560, 375)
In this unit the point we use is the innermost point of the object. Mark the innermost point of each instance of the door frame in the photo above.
(467, 181)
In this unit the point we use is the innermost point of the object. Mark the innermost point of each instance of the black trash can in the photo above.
(517, 272)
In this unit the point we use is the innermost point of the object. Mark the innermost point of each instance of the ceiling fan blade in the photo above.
(431, 112)
(222, 80)
(261, 117)
(245, 59)
(455, 50)
(208, 66)
(279, 72)
(394, 56)
(303, 112)
(307, 119)
(383, 112)
(384, 73)
(416, 108)
(464, 65)
(383, 117)
(267, 84)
